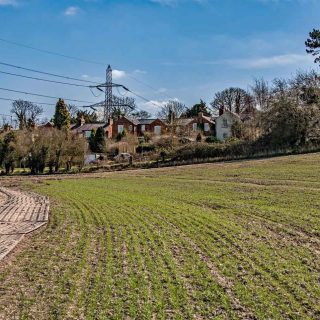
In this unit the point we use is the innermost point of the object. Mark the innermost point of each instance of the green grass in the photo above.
(215, 241)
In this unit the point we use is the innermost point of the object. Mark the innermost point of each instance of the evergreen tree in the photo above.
(313, 44)
(100, 140)
(61, 118)
(97, 140)
(196, 109)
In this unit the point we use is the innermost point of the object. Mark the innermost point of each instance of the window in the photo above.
(143, 128)
(194, 127)
(225, 135)
(206, 127)
(120, 128)
(157, 130)
(130, 128)
(225, 123)
(87, 134)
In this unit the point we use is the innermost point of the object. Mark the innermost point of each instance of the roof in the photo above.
(132, 120)
(230, 112)
(148, 121)
(208, 118)
(88, 127)
(184, 121)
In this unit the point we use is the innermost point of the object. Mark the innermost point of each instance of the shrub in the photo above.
(212, 139)
(199, 137)
(145, 147)
(164, 143)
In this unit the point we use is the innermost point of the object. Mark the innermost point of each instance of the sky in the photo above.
(160, 49)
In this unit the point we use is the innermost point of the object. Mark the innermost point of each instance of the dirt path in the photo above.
(20, 214)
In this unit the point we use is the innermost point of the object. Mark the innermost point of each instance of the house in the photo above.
(154, 126)
(126, 124)
(202, 123)
(85, 129)
(224, 123)
(192, 125)
(47, 125)
(138, 127)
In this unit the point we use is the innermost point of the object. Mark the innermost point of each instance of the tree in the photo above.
(306, 87)
(282, 125)
(313, 44)
(73, 110)
(26, 112)
(235, 100)
(89, 117)
(97, 140)
(8, 152)
(61, 118)
(261, 93)
(172, 110)
(141, 114)
(196, 109)
(74, 151)
(123, 106)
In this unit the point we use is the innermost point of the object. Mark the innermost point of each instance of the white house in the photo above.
(224, 123)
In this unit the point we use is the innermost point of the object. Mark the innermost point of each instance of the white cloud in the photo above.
(118, 74)
(154, 106)
(71, 11)
(12, 3)
(91, 78)
(138, 71)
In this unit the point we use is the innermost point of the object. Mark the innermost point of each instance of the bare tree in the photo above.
(172, 110)
(73, 110)
(235, 100)
(280, 88)
(26, 112)
(306, 87)
(141, 114)
(261, 93)
(123, 106)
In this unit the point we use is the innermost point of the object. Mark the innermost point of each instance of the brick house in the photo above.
(124, 124)
(138, 126)
(192, 125)
(85, 129)
(154, 126)
(202, 123)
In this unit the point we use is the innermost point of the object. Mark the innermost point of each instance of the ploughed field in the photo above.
(217, 241)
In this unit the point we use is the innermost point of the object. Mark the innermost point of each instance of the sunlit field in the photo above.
(218, 241)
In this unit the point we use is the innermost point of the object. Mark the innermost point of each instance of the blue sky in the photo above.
(183, 49)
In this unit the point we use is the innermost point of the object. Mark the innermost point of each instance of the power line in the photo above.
(12, 100)
(143, 98)
(70, 57)
(50, 52)
(44, 96)
(46, 73)
(45, 80)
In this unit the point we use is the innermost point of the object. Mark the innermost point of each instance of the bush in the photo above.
(212, 139)
(145, 147)
(164, 143)
(199, 137)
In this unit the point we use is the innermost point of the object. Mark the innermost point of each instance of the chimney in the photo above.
(82, 121)
(221, 111)
(110, 122)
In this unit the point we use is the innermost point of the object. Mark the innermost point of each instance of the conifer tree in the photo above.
(313, 44)
(61, 118)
